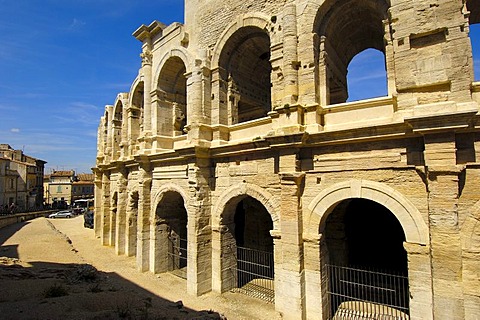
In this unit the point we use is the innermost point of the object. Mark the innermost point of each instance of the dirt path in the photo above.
(46, 273)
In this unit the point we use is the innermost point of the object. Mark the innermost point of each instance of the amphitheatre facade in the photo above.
(236, 162)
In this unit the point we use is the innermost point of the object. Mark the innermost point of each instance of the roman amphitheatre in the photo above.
(237, 163)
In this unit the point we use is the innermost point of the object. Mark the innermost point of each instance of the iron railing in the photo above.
(177, 255)
(255, 274)
(361, 294)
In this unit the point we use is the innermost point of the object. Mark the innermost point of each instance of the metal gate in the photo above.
(255, 274)
(177, 256)
(361, 294)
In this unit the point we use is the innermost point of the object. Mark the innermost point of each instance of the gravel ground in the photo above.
(56, 269)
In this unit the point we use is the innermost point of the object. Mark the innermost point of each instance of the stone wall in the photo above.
(302, 166)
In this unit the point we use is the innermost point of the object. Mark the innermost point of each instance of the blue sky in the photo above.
(62, 61)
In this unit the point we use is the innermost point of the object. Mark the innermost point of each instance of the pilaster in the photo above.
(445, 240)
(199, 263)
(120, 234)
(97, 215)
(143, 222)
(105, 209)
(419, 281)
(289, 260)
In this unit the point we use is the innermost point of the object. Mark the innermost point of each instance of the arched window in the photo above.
(246, 69)
(172, 85)
(367, 76)
(474, 19)
(117, 128)
(345, 29)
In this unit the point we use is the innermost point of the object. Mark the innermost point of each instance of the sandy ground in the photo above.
(57, 269)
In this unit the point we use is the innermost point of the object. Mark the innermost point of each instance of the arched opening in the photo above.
(245, 73)
(172, 84)
(247, 249)
(135, 117)
(132, 217)
(346, 28)
(117, 129)
(474, 19)
(366, 262)
(367, 75)
(171, 235)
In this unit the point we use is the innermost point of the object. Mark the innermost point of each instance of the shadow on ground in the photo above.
(10, 251)
(40, 290)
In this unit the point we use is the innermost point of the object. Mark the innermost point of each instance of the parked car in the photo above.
(61, 214)
(88, 219)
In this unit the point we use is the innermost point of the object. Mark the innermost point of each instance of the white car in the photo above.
(61, 214)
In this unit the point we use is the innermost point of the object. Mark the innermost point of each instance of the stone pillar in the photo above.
(419, 281)
(196, 92)
(199, 101)
(108, 133)
(199, 251)
(99, 192)
(389, 58)
(218, 232)
(324, 89)
(131, 225)
(446, 250)
(112, 231)
(315, 301)
(289, 271)
(105, 210)
(147, 57)
(290, 58)
(219, 97)
(120, 234)
(143, 222)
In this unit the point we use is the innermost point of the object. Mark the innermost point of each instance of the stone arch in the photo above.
(242, 71)
(171, 92)
(338, 38)
(121, 102)
(158, 195)
(270, 202)
(414, 226)
(118, 123)
(134, 87)
(247, 20)
(169, 230)
(178, 52)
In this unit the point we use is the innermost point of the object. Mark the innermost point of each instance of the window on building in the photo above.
(173, 83)
(348, 35)
(475, 39)
(245, 59)
(474, 19)
(59, 189)
(367, 77)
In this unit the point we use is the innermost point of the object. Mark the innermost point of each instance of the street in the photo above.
(41, 254)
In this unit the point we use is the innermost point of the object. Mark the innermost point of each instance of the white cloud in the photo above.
(76, 24)
(80, 113)
(15, 130)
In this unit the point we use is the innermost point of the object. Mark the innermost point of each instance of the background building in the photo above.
(83, 186)
(21, 181)
(62, 188)
(236, 161)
